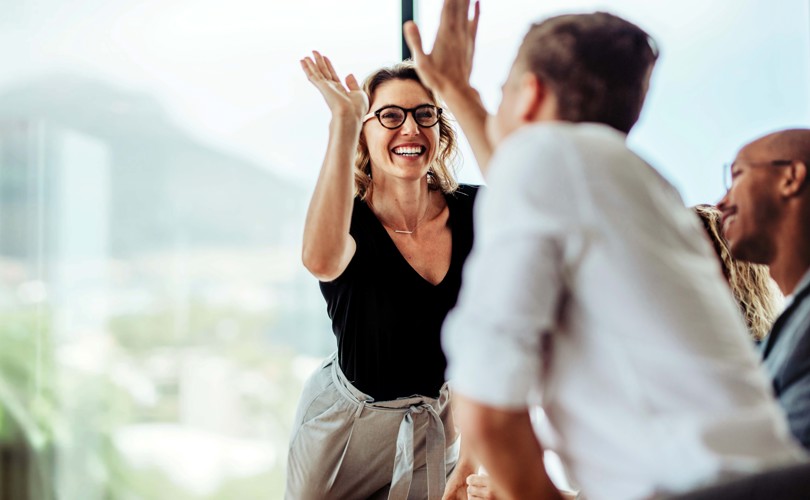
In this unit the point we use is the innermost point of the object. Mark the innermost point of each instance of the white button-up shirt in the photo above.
(592, 285)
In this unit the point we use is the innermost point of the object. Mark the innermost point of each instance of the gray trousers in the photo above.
(346, 446)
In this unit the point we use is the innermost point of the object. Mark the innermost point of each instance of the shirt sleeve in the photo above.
(513, 280)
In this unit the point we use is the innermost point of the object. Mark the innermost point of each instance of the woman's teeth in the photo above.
(409, 151)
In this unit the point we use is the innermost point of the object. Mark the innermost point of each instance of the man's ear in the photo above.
(796, 179)
(534, 94)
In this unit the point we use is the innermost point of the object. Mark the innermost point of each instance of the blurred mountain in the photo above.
(65, 137)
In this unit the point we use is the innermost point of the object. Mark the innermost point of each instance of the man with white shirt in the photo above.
(590, 283)
(766, 219)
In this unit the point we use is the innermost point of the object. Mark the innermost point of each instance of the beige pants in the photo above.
(346, 446)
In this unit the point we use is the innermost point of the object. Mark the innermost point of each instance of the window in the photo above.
(729, 71)
(156, 160)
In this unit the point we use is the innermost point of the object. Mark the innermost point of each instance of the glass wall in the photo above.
(156, 159)
(155, 164)
(729, 71)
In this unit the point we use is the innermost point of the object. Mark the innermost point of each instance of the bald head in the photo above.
(766, 209)
(791, 144)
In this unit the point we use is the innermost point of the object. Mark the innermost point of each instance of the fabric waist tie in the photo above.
(435, 449)
(413, 409)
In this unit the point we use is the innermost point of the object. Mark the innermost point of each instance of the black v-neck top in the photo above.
(387, 318)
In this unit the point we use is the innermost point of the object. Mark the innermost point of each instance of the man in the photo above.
(766, 220)
(590, 284)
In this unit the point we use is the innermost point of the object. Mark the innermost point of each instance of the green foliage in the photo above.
(28, 412)
(27, 401)
(79, 427)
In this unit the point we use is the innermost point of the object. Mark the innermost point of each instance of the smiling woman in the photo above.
(387, 232)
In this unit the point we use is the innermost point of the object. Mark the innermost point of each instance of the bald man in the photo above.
(766, 219)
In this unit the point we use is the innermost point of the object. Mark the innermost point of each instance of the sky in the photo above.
(730, 70)
(228, 73)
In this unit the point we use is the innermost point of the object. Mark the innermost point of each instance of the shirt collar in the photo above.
(803, 283)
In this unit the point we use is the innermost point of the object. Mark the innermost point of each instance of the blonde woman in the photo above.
(387, 232)
(757, 294)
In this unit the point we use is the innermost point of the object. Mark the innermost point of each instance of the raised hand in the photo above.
(347, 101)
(447, 70)
(449, 65)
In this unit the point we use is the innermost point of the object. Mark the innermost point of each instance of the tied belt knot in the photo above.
(435, 449)
(435, 439)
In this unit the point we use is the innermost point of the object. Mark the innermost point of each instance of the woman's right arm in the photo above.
(328, 248)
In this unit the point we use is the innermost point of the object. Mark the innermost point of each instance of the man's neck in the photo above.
(789, 268)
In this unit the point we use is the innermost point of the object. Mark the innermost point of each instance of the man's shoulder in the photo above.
(788, 364)
(563, 133)
(798, 319)
(549, 159)
(790, 342)
(564, 142)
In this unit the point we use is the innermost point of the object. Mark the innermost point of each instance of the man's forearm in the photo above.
(505, 443)
(468, 109)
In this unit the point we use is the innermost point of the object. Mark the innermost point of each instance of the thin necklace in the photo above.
(402, 231)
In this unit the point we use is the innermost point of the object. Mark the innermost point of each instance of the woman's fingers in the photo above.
(351, 82)
(313, 71)
(320, 66)
(309, 68)
(331, 69)
(323, 66)
(319, 72)
(339, 97)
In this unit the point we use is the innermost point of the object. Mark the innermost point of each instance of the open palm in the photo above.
(449, 64)
(345, 101)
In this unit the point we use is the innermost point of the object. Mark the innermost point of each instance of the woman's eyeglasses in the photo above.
(391, 117)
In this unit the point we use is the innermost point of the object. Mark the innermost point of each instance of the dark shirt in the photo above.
(786, 353)
(387, 318)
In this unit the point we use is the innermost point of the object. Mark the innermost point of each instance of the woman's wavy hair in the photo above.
(757, 295)
(441, 175)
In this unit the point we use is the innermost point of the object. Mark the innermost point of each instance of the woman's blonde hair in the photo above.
(442, 171)
(758, 296)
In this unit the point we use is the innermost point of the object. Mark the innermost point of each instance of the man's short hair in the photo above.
(597, 65)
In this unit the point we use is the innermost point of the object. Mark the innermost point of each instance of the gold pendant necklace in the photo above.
(402, 231)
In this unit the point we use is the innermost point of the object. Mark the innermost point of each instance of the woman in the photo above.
(387, 231)
(758, 296)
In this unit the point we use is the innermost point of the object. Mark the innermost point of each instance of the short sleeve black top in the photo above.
(387, 318)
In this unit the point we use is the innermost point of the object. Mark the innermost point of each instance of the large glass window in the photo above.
(155, 164)
(156, 159)
(729, 71)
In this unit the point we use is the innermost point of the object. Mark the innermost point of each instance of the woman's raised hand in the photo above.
(349, 101)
